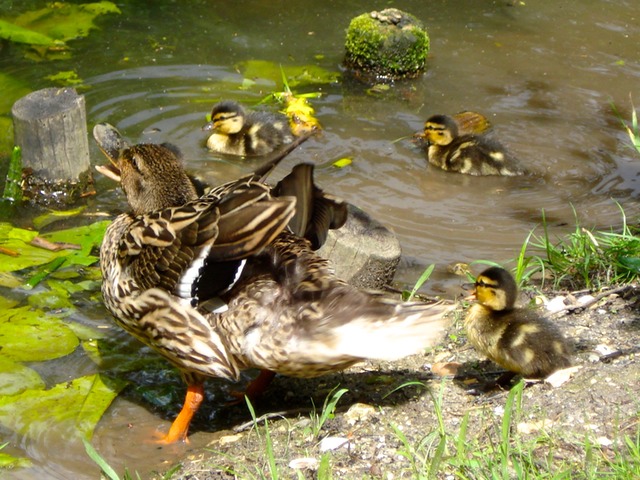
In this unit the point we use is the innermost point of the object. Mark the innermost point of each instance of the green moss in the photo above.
(390, 43)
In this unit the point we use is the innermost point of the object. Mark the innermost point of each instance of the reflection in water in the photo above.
(547, 92)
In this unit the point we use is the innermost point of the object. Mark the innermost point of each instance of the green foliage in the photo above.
(27, 255)
(17, 34)
(107, 470)
(68, 78)
(296, 75)
(633, 130)
(408, 296)
(15, 378)
(328, 410)
(384, 49)
(12, 190)
(74, 407)
(9, 461)
(585, 258)
(46, 31)
(33, 336)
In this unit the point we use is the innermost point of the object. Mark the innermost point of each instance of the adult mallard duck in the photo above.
(468, 153)
(236, 131)
(219, 283)
(517, 339)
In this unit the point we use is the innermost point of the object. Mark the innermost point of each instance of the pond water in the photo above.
(545, 73)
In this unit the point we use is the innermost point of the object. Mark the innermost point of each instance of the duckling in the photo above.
(236, 131)
(517, 339)
(468, 153)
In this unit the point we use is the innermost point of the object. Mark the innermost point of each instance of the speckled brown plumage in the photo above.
(220, 283)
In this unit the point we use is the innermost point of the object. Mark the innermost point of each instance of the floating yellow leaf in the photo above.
(343, 162)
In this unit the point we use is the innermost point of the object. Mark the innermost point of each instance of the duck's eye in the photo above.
(135, 163)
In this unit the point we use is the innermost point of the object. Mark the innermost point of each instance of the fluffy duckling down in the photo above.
(237, 131)
(470, 153)
(518, 339)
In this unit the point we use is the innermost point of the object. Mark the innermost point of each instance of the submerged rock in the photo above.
(389, 44)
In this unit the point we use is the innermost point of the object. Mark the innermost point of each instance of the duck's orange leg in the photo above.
(180, 426)
(256, 388)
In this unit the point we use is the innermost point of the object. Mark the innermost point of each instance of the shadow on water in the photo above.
(155, 72)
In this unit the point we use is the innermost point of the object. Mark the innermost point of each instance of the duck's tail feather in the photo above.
(386, 332)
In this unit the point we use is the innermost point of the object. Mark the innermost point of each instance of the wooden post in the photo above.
(363, 252)
(50, 126)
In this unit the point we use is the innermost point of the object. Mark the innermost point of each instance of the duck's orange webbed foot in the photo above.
(180, 426)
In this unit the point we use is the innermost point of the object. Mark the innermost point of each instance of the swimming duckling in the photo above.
(517, 339)
(237, 131)
(469, 153)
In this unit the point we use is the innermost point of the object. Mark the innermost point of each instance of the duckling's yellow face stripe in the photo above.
(437, 134)
(227, 122)
(490, 294)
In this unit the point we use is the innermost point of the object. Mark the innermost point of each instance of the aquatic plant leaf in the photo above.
(88, 237)
(296, 75)
(65, 21)
(16, 33)
(73, 408)
(9, 280)
(6, 303)
(342, 162)
(59, 295)
(50, 300)
(32, 335)
(9, 461)
(15, 378)
(67, 78)
(54, 215)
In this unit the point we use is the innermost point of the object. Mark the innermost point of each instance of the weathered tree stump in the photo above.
(363, 252)
(50, 126)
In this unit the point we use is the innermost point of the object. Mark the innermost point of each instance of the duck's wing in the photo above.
(175, 249)
(316, 211)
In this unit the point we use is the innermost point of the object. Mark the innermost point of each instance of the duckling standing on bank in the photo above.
(466, 153)
(236, 131)
(517, 339)
(217, 284)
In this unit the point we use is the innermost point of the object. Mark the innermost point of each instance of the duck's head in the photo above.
(496, 289)
(440, 130)
(227, 117)
(152, 176)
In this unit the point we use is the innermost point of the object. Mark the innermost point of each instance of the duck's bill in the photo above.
(109, 141)
(110, 171)
(207, 127)
(111, 144)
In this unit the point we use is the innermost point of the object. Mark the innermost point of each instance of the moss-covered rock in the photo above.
(387, 44)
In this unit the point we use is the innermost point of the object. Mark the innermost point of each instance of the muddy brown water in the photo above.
(545, 73)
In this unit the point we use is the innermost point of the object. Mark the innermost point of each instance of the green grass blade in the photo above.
(101, 462)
